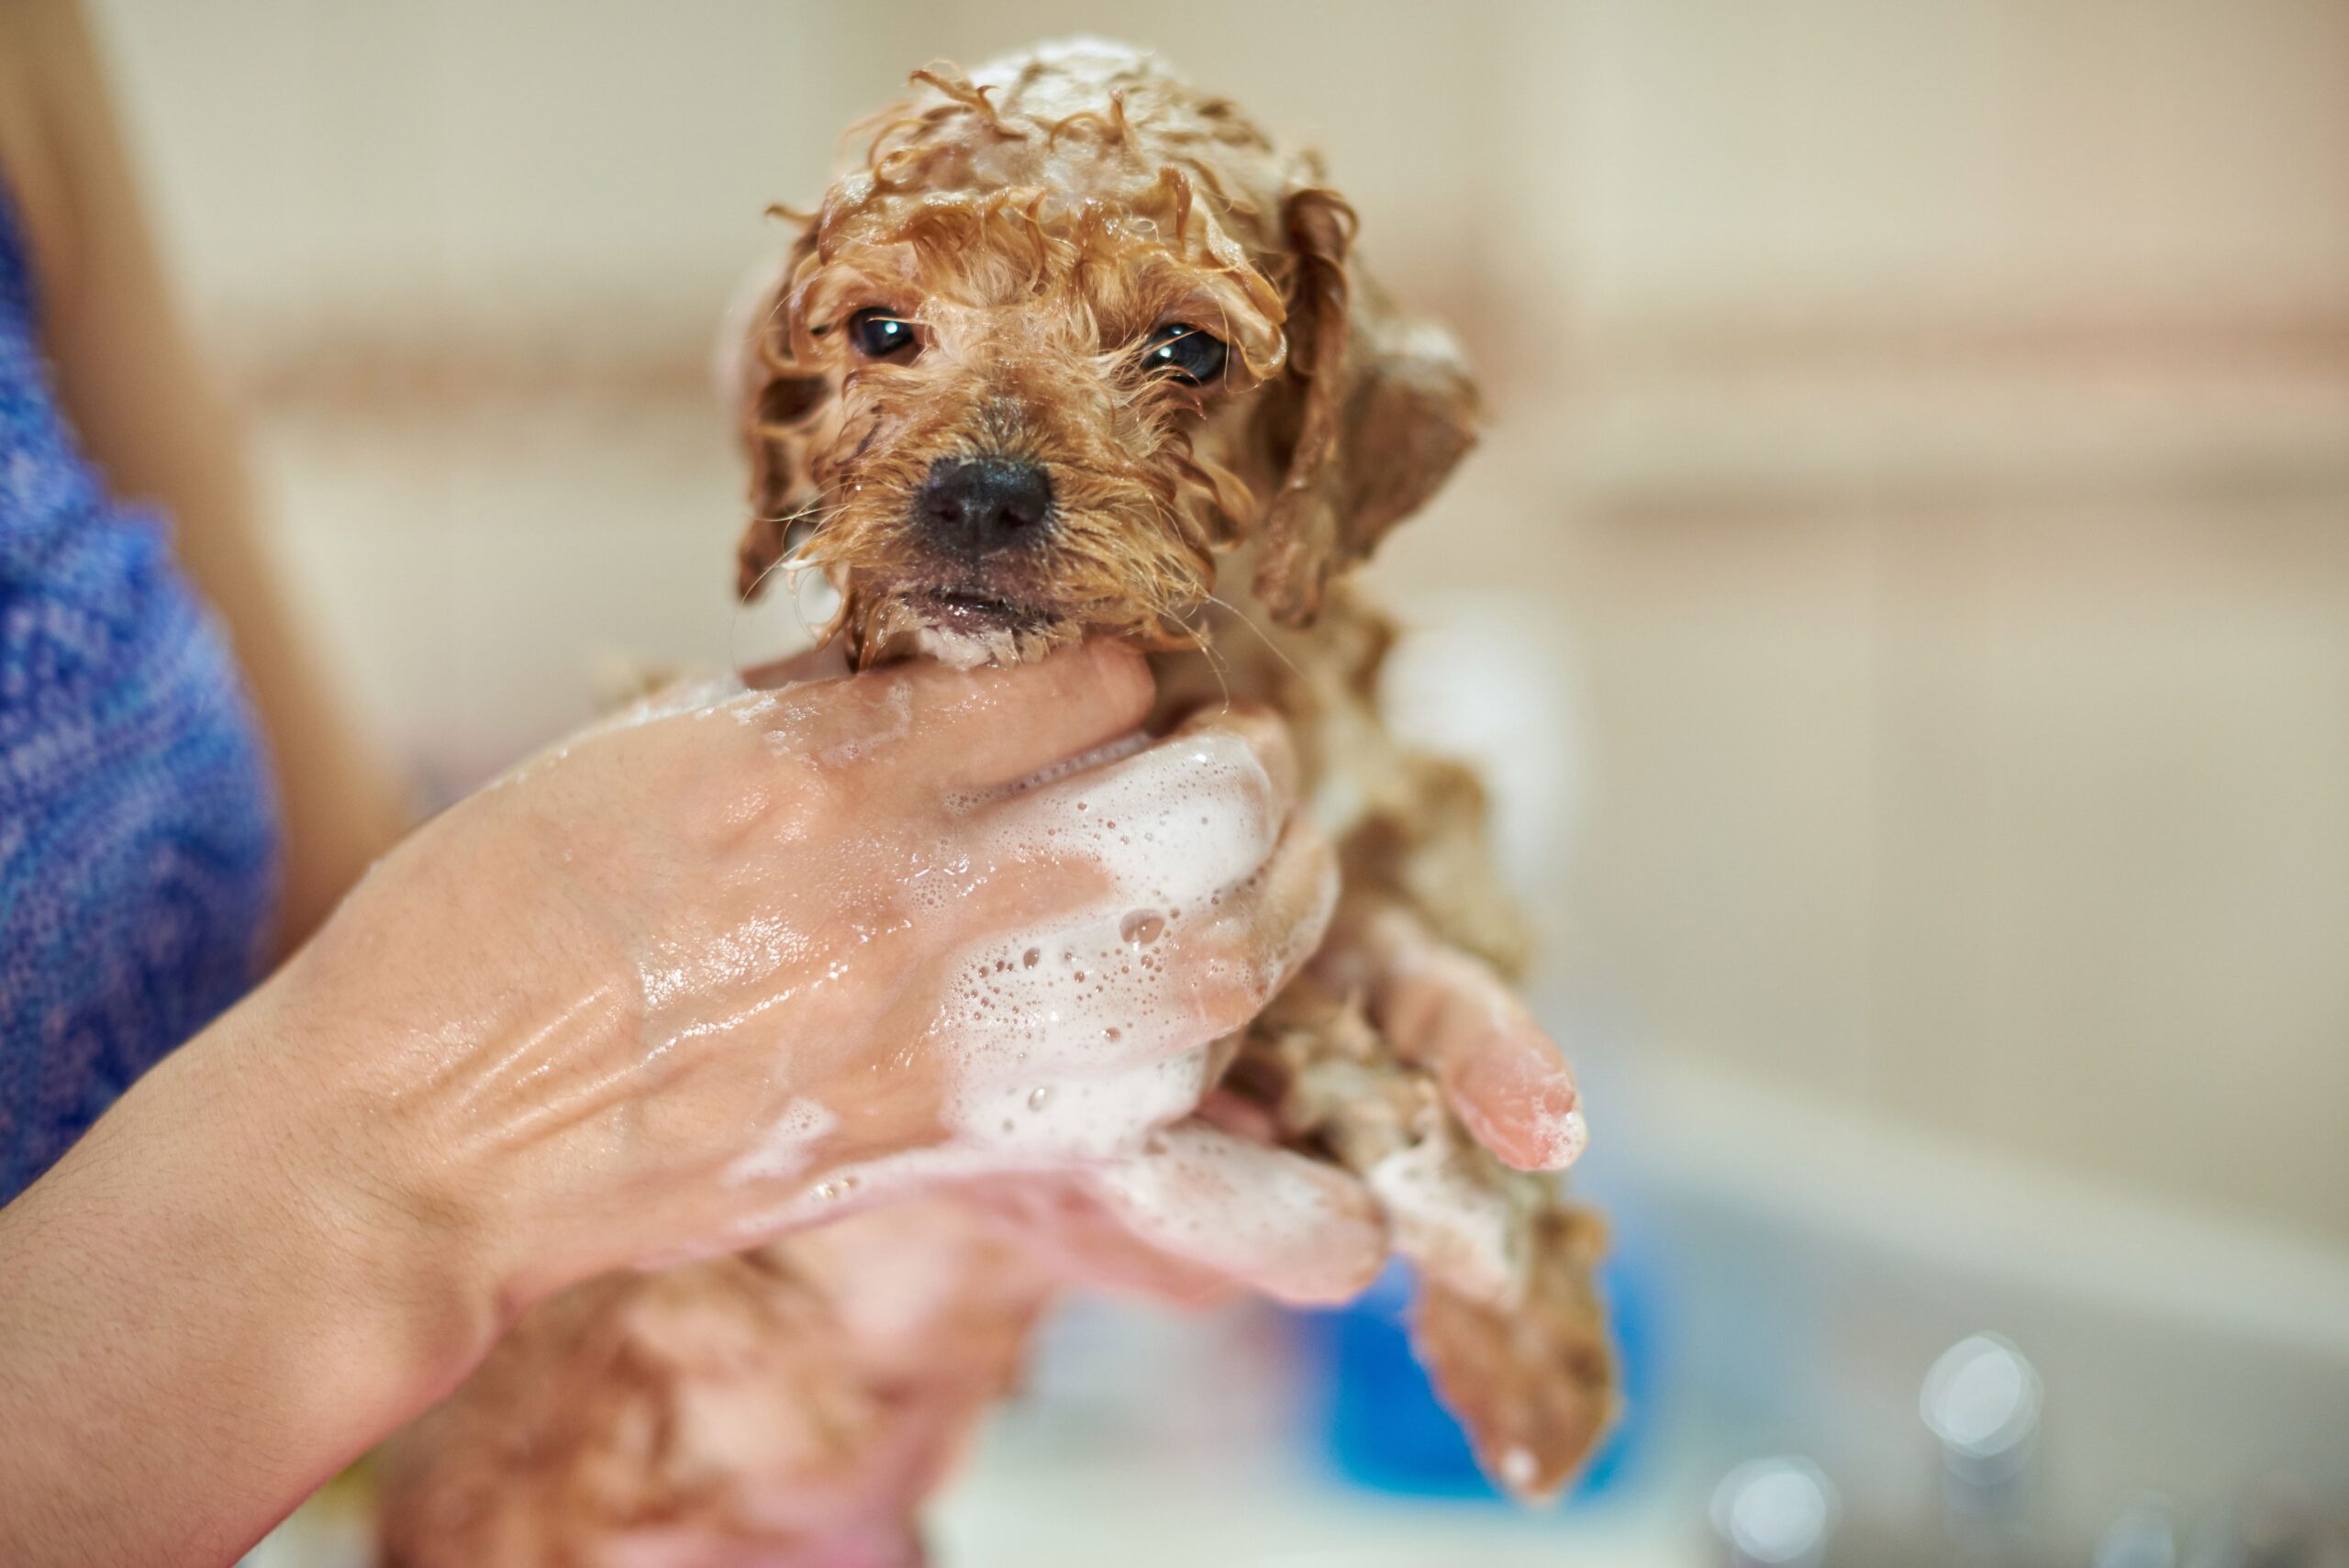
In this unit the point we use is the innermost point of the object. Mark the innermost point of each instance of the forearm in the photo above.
(201, 1322)
(644, 999)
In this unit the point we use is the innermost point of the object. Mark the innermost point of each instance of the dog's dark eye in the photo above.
(881, 336)
(1184, 353)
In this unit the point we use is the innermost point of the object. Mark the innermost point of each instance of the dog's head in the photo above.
(1070, 332)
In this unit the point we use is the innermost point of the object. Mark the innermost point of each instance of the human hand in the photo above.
(1176, 1231)
(729, 964)
(656, 993)
(1448, 1011)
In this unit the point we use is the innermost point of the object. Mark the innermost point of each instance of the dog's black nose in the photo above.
(975, 505)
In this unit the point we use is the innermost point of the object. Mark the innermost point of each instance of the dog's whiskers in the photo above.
(1207, 650)
(1260, 634)
(807, 521)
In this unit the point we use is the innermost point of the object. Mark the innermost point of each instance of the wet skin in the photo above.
(586, 1019)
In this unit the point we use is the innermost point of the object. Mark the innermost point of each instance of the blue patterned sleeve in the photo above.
(139, 837)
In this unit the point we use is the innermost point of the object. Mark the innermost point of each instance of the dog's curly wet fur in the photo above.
(1035, 228)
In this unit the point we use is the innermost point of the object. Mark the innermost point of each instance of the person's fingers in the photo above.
(1114, 1013)
(1079, 1035)
(964, 730)
(1294, 1229)
(1175, 826)
(1064, 1224)
(1259, 935)
(1503, 1075)
(1267, 739)
(1512, 1088)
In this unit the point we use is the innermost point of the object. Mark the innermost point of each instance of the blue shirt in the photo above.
(139, 837)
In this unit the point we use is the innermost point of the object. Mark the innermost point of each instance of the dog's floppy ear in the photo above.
(1373, 412)
(776, 398)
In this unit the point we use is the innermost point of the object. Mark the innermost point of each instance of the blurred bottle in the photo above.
(1775, 1513)
(1982, 1402)
(1378, 1420)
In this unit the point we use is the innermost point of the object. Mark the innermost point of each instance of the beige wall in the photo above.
(1931, 418)
(2029, 821)
(1630, 161)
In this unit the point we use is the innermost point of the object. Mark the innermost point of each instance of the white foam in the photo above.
(1070, 1042)
(1457, 1228)
(788, 1147)
(1519, 1467)
(1176, 829)
(959, 650)
(1246, 1210)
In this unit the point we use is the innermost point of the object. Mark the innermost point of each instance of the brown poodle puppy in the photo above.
(1070, 345)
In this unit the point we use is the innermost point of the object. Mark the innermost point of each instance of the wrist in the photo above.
(382, 1271)
(198, 1328)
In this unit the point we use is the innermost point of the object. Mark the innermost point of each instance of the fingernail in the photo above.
(1556, 1119)
(1531, 1114)
(1569, 1136)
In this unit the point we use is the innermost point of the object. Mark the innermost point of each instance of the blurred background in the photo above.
(1903, 605)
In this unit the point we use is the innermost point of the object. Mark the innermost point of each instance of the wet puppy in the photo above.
(1075, 349)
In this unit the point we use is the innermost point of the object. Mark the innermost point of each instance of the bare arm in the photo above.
(198, 1327)
(140, 397)
(679, 985)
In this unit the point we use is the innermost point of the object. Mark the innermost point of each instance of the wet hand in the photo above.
(1501, 1072)
(738, 961)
